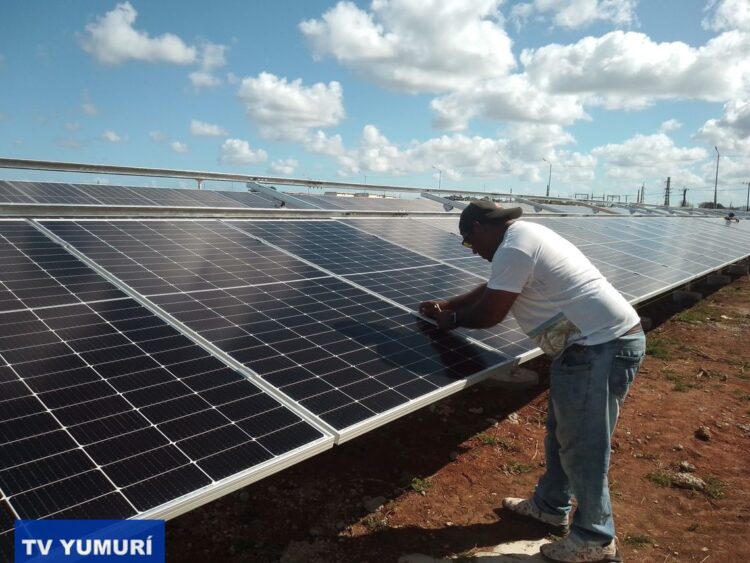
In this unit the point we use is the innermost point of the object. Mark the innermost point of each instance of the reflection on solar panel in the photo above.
(248, 199)
(333, 246)
(345, 355)
(166, 256)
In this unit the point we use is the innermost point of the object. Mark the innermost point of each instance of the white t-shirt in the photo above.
(557, 282)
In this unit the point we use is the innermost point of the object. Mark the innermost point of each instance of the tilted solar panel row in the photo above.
(48, 193)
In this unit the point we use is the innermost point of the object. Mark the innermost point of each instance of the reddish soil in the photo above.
(443, 471)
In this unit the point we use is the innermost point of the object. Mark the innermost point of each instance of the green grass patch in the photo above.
(516, 468)
(660, 478)
(697, 314)
(508, 445)
(373, 522)
(681, 385)
(488, 440)
(658, 348)
(715, 488)
(420, 485)
(639, 540)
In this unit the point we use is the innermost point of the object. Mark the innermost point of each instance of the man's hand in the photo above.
(433, 308)
(446, 320)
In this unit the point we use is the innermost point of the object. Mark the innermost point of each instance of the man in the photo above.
(595, 339)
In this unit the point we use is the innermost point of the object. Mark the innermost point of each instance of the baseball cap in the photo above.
(482, 210)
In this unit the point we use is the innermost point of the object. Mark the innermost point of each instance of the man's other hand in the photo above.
(433, 308)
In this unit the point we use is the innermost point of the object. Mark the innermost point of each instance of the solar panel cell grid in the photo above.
(112, 401)
(156, 257)
(331, 245)
(37, 272)
(416, 236)
(10, 194)
(344, 354)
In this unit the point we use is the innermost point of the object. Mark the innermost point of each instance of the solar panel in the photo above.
(420, 237)
(334, 246)
(107, 411)
(52, 193)
(347, 356)
(10, 194)
(249, 199)
(273, 327)
(161, 256)
(112, 195)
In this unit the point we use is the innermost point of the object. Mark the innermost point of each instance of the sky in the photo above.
(486, 95)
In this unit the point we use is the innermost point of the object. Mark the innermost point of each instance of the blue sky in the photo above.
(613, 93)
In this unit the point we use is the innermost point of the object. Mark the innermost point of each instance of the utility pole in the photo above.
(716, 180)
(643, 193)
(684, 197)
(440, 175)
(549, 180)
(666, 192)
(747, 203)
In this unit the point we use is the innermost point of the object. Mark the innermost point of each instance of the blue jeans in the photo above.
(588, 385)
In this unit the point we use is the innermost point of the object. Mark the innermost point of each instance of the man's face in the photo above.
(482, 240)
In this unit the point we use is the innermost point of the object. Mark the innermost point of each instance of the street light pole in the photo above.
(716, 180)
(747, 203)
(549, 180)
(440, 175)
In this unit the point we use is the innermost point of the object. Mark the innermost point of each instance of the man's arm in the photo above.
(488, 310)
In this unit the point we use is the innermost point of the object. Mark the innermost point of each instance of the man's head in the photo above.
(482, 226)
(730, 215)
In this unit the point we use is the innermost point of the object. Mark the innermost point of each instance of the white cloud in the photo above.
(506, 99)
(731, 132)
(72, 126)
(670, 125)
(285, 166)
(179, 148)
(89, 109)
(415, 45)
(287, 110)
(112, 137)
(212, 57)
(727, 14)
(203, 129)
(516, 154)
(573, 14)
(237, 151)
(112, 40)
(650, 157)
(629, 70)
(157, 136)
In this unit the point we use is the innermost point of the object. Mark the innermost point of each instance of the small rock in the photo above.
(476, 410)
(316, 531)
(703, 433)
(745, 428)
(704, 549)
(683, 480)
(340, 525)
(453, 456)
(372, 504)
(678, 447)
(687, 467)
(491, 421)
(513, 418)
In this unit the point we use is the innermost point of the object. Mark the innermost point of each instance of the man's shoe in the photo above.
(573, 550)
(529, 509)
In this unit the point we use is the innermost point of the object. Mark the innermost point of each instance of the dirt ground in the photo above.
(432, 482)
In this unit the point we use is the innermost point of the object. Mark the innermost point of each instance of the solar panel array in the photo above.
(154, 363)
(48, 193)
